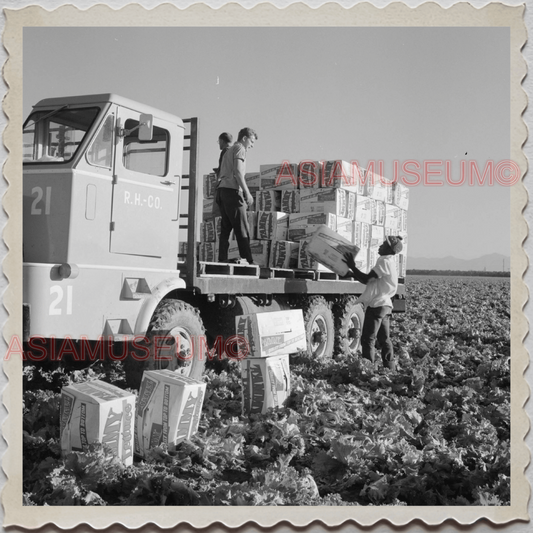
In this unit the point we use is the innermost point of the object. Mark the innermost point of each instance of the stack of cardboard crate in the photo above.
(265, 342)
(293, 200)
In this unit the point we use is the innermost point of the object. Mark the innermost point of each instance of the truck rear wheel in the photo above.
(319, 327)
(176, 341)
(349, 317)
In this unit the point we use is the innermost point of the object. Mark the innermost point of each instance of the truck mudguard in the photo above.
(151, 302)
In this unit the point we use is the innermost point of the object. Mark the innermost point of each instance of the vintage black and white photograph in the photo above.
(270, 265)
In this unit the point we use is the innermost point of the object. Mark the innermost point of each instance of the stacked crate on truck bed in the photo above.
(292, 200)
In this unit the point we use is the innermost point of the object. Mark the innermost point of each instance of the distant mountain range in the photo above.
(491, 262)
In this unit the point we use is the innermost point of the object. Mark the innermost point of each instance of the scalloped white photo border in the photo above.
(365, 14)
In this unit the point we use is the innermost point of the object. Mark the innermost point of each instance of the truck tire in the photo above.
(173, 321)
(319, 327)
(349, 317)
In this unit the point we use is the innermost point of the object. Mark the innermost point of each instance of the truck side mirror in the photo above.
(146, 127)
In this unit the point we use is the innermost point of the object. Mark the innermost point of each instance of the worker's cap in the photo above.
(395, 242)
(228, 137)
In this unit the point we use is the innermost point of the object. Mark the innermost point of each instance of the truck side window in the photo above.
(100, 153)
(148, 157)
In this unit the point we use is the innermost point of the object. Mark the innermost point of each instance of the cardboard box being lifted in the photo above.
(306, 261)
(168, 411)
(271, 333)
(328, 248)
(96, 411)
(266, 383)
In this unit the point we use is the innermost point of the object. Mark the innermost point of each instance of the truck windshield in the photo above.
(54, 136)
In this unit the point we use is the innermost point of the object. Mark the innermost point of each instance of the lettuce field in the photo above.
(436, 432)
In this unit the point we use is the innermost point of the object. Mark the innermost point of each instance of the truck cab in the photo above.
(101, 193)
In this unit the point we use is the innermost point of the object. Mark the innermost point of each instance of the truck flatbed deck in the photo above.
(229, 278)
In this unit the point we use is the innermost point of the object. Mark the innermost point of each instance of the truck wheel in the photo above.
(319, 327)
(176, 341)
(349, 317)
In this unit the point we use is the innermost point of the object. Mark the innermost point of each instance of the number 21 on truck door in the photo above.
(41, 197)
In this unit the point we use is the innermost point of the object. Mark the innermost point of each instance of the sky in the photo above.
(364, 94)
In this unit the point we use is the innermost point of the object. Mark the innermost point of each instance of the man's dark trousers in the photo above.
(377, 325)
(233, 213)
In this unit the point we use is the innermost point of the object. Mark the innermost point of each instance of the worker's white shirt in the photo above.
(379, 291)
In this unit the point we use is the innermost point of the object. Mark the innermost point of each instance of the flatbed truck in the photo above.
(105, 183)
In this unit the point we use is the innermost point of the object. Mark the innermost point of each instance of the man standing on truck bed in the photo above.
(233, 197)
(381, 285)
(224, 142)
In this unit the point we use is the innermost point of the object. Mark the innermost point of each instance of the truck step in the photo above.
(227, 269)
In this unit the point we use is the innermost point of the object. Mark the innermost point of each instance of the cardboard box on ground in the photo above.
(168, 410)
(96, 411)
(266, 340)
(266, 383)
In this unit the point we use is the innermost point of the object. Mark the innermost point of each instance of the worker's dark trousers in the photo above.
(377, 326)
(233, 213)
